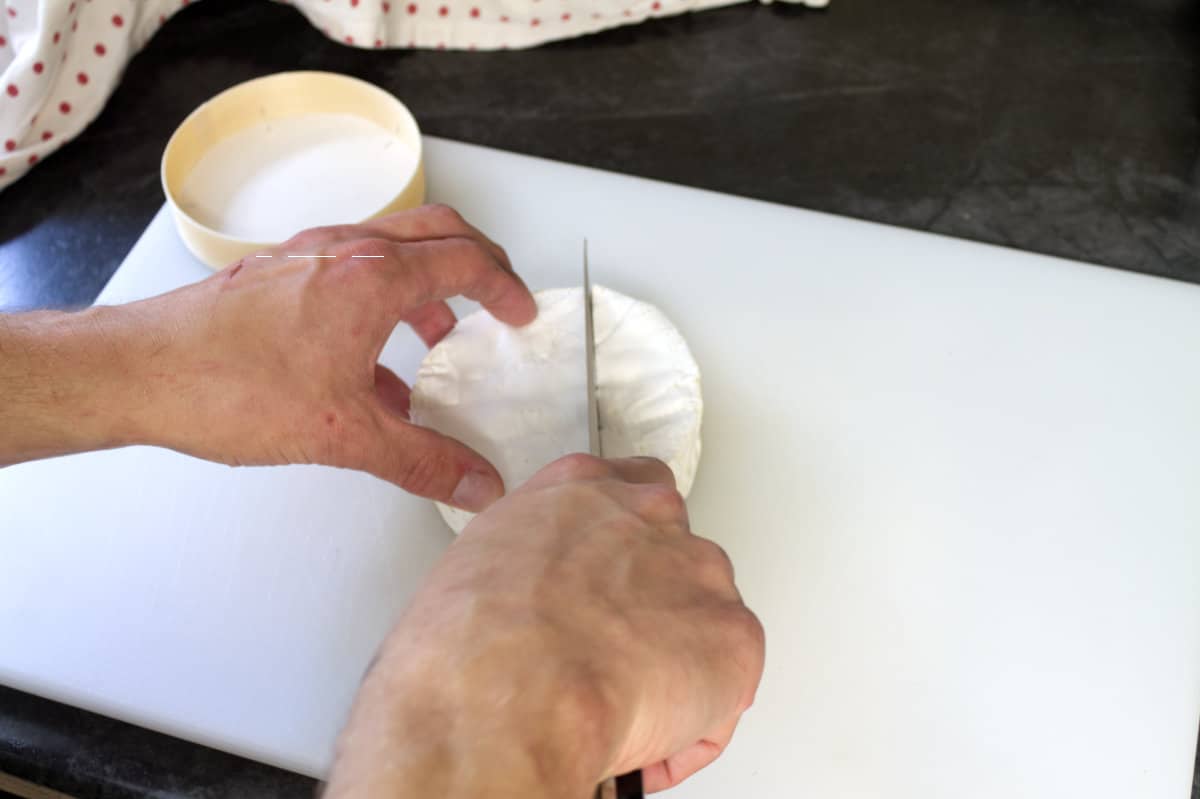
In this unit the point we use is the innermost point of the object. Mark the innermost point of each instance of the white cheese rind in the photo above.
(518, 395)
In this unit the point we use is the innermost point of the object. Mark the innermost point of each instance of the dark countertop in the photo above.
(1068, 127)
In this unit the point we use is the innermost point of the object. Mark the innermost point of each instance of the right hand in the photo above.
(577, 629)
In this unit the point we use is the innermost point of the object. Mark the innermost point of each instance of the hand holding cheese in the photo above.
(271, 360)
(575, 630)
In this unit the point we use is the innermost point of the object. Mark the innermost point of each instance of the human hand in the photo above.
(273, 359)
(577, 629)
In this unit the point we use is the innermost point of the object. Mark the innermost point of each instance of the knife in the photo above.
(626, 786)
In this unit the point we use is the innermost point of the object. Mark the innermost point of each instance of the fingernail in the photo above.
(475, 491)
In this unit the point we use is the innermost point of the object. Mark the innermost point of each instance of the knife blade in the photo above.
(593, 409)
(626, 786)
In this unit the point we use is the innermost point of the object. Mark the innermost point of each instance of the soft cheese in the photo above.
(518, 395)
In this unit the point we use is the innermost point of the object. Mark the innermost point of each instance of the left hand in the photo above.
(274, 360)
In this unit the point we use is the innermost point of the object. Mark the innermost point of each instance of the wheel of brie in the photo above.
(518, 396)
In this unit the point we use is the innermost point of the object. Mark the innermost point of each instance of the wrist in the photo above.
(427, 729)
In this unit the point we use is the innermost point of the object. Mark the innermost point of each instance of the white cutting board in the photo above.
(960, 484)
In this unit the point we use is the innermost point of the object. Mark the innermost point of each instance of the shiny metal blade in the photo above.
(628, 786)
(594, 445)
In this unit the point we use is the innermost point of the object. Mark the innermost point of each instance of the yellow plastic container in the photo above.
(289, 97)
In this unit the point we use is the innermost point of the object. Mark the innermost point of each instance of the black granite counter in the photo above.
(1068, 127)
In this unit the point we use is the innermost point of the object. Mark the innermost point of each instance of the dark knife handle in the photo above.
(627, 786)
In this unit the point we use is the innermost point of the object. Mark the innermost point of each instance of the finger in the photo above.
(431, 465)
(643, 470)
(428, 271)
(434, 222)
(582, 466)
(393, 392)
(678, 767)
(432, 322)
(427, 223)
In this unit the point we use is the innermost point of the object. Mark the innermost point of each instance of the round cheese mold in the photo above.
(518, 396)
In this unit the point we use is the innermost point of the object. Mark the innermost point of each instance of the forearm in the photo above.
(417, 753)
(69, 382)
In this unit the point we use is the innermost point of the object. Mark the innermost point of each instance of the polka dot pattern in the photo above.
(71, 59)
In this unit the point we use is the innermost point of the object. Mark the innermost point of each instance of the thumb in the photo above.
(429, 464)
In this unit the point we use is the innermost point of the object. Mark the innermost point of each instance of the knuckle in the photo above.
(744, 632)
(444, 214)
(714, 557)
(373, 247)
(754, 630)
(663, 503)
(750, 639)
(483, 271)
(316, 236)
(578, 466)
(503, 253)
(303, 239)
(471, 254)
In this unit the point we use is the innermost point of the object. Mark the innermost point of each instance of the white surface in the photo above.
(518, 396)
(278, 177)
(959, 485)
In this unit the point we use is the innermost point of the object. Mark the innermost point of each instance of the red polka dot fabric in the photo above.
(61, 59)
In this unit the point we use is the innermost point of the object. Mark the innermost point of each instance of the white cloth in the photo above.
(61, 59)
